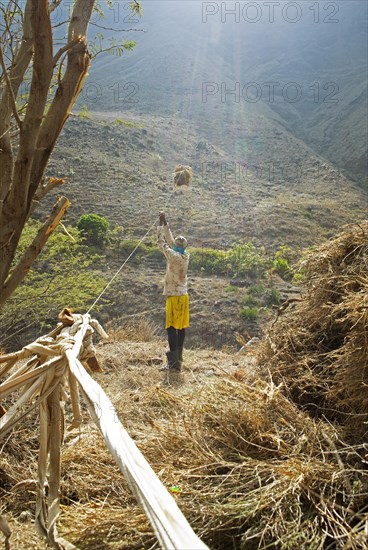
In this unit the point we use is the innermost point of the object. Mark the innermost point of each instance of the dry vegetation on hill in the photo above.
(274, 190)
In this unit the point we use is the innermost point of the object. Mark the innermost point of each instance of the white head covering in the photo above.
(181, 241)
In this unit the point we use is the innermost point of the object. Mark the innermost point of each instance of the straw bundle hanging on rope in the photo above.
(182, 175)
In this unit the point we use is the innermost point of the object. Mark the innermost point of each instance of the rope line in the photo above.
(121, 267)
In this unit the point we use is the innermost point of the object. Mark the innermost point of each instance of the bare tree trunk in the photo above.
(20, 271)
(22, 178)
(67, 92)
(22, 181)
(14, 211)
(16, 76)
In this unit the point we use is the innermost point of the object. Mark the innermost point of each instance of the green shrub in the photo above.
(94, 227)
(251, 301)
(232, 288)
(249, 314)
(299, 278)
(127, 246)
(281, 267)
(256, 290)
(281, 263)
(257, 296)
(116, 235)
(272, 297)
(242, 260)
(208, 260)
(65, 274)
(247, 260)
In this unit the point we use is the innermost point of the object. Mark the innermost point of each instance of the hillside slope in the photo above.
(281, 194)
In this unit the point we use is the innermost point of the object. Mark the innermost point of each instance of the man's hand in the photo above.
(162, 218)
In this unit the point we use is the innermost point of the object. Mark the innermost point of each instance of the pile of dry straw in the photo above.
(278, 463)
(319, 350)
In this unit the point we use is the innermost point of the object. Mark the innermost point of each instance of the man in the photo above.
(175, 290)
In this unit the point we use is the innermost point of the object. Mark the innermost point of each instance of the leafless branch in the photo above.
(60, 24)
(53, 5)
(9, 36)
(43, 190)
(4, 134)
(116, 30)
(10, 88)
(67, 47)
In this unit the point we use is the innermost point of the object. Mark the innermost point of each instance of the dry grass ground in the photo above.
(94, 496)
(250, 468)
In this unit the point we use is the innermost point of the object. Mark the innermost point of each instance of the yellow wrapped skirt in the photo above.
(177, 312)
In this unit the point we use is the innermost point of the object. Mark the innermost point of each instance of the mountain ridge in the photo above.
(179, 53)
